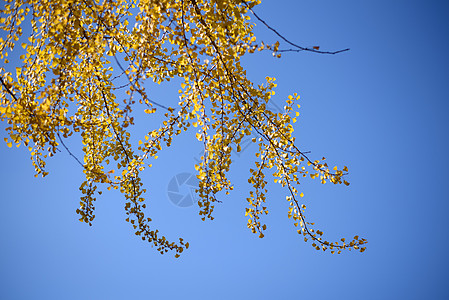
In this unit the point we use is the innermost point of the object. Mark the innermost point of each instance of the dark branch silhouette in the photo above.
(299, 48)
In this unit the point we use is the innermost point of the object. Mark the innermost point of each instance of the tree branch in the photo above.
(299, 48)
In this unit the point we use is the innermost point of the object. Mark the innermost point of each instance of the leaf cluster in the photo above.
(81, 54)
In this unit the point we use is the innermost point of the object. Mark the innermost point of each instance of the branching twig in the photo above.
(71, 154)
(299, 48)
(129, 79)
(7, 89)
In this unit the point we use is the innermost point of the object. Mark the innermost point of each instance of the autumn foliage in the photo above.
(80, 54)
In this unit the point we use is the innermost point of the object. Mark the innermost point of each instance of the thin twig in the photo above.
(7, 89)
(300, 48)
(71, 154)
(313, 50)
(129, 79)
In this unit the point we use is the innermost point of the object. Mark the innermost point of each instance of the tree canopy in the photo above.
(82, 55)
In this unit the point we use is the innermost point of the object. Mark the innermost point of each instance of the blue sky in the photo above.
(381, 109)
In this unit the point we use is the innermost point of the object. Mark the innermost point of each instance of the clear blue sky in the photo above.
(381, 109)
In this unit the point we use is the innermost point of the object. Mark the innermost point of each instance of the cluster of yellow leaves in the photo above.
(80, 53)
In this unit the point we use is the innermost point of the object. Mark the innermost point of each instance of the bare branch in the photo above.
(299, 48)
